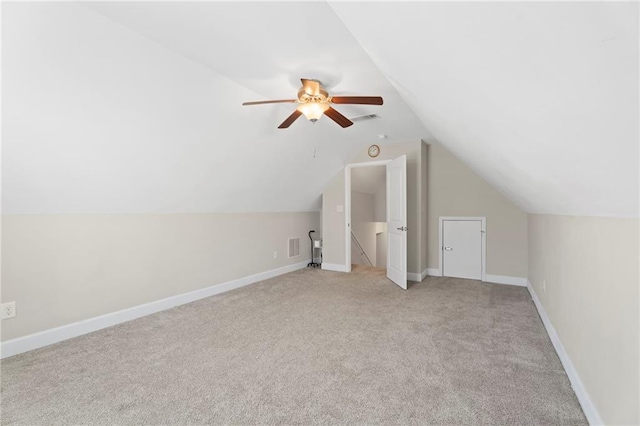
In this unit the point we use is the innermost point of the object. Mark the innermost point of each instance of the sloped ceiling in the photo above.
(135, 107)
(539, 98)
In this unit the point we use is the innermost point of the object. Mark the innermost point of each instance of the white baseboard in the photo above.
(502, 279)
(334, 267)
(58, 334)
(433, 272)
(587, 405)
(412, 276)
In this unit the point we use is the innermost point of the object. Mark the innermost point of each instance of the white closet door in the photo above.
(462, 249)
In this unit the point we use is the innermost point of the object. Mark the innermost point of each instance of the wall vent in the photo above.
(294, 247)
(364, 117)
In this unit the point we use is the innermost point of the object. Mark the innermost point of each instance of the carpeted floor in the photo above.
(310, 347)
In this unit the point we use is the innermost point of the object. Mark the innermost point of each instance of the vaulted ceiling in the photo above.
(539, 98)
(136, 107)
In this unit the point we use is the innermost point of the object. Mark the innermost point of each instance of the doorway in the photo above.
(369, 216)
(384, 228)
(462, 242)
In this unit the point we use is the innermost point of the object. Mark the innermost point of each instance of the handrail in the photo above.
(360, 249)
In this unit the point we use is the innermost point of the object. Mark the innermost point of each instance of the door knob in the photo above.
(402, 228)
(448, 248)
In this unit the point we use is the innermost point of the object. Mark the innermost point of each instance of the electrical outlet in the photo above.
(275, 254)
(8, 310)
(544, 286)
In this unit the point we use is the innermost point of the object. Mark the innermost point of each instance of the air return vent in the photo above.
(294, 247)
(364, 117)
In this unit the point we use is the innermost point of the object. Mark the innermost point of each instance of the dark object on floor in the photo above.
(312, 263)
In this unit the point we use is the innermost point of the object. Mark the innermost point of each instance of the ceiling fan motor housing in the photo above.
(321, 96)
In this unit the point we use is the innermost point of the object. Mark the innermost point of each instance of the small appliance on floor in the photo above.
(315, 245)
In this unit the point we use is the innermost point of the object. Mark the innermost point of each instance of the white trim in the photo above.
(483, 221)
(347, 208)
(335, 267)
(412, 276)
(503, 279)
(58, 334)
(589, 409)
(433, 272)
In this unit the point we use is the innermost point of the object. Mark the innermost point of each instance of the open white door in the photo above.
(397, 221)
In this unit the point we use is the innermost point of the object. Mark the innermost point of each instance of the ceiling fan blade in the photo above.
(293, 117)
(283, 101)
(360, 100)
(311, 87)
(338, 118)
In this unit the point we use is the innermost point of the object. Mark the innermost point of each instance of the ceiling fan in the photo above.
(314, 101)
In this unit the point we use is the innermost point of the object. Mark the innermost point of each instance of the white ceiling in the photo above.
(539, 98)
(135, 107)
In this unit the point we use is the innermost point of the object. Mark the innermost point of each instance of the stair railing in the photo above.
(363, 255)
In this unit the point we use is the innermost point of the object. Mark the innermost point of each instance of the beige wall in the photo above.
(438, 185)
(362, 225)
(65, 268)
(380, 204)
(454, 190)
(424, 210)
(590, 269)
(362, 207)
(333, 195)
(333, 244)
(381, 244)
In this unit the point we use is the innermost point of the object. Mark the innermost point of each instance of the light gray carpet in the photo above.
(310, 347)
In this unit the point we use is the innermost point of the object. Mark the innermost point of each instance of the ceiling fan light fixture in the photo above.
(313, 110)
(314, 102)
